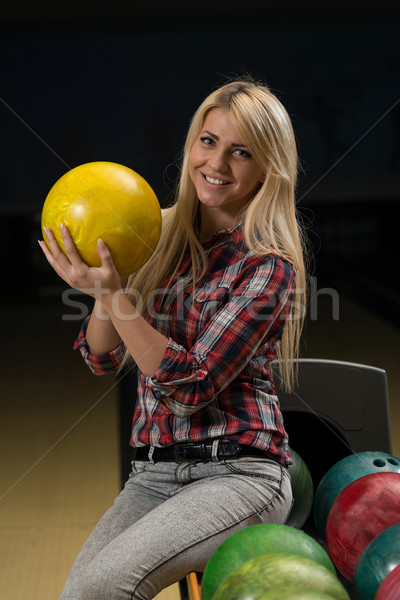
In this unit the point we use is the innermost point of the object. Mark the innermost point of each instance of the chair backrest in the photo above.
(335, 409)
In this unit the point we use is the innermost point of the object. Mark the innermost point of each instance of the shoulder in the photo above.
(263, 271)
(167, 216)
(270, 261)
(165, 211)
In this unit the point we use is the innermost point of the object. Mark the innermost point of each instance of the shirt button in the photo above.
(202, 374)
(202, 297)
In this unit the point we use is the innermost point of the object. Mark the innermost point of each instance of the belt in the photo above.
(202, 451)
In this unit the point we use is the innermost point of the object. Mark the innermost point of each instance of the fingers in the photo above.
(107, 263)
(70, 268)
(71, 255)
(104, 253)
(74, 270)
(51, 260)
(62, 264)
(55, 249)
(70, 248)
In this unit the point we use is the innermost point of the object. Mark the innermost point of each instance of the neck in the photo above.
(213, 220)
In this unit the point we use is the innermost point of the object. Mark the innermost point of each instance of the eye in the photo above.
(207, 141)
(242, 153)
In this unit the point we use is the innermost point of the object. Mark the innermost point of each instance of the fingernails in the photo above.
(100, 243)
(62, 227)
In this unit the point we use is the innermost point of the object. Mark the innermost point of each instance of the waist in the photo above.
(200, 451)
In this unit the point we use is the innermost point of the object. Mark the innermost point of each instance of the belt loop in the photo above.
(214, 451)
(150, 455)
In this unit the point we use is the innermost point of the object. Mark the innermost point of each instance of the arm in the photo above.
(124, 322)
(101, 335)
(104, 331)
(145, 344)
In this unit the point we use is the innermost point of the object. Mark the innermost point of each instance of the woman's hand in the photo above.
(98, 282)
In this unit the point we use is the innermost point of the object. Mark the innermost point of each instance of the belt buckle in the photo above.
(228, 449)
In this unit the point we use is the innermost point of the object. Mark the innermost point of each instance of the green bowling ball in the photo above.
(254, 541)
(302, 489)
(275, 570)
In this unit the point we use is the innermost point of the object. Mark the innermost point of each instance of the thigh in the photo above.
(141, 494)
(179, 535)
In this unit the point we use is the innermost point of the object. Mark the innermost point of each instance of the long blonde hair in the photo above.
(271, 223)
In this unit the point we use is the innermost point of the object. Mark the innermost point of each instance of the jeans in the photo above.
(169, 519)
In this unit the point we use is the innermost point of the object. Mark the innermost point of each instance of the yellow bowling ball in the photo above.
(108, 201)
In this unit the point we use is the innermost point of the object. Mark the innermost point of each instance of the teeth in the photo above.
(216, 181)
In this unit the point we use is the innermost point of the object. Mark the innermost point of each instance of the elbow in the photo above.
(98, 370)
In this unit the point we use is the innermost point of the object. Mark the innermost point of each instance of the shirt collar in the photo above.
(234, 234)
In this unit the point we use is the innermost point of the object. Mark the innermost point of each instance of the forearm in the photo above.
(101, 335)
(146, 345)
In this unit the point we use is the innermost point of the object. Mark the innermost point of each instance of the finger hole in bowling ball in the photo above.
(378, 462)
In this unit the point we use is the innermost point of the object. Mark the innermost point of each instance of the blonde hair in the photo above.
(271, 224)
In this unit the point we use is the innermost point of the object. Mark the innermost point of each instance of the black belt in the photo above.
(202, 451)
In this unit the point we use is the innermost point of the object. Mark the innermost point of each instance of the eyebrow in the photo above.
(216, 137)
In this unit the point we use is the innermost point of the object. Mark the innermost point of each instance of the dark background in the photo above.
(119, 82)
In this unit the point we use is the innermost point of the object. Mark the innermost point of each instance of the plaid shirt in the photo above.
(214, 380)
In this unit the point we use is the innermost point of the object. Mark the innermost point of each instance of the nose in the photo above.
(219, 161)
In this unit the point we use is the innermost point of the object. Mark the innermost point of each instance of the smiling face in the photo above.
(226, 176)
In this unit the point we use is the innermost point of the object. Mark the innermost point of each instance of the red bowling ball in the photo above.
(390, 586)
(361, 511)
(344, 472)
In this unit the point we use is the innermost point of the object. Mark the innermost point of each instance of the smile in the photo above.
(215, 181)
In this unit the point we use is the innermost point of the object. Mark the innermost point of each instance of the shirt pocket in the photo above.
(208, 300)
(212, 293)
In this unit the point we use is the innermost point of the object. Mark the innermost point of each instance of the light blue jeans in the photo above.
(169, 519)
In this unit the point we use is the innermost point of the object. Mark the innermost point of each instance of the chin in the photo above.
(211, 203)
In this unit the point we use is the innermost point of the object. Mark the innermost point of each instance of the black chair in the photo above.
(343, 405)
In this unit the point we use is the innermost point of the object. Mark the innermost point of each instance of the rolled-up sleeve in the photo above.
(99, 364)
(257, 309)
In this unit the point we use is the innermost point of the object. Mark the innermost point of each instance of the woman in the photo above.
(220, 298)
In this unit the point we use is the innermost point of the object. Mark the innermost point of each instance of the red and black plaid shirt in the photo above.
(214, 380)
